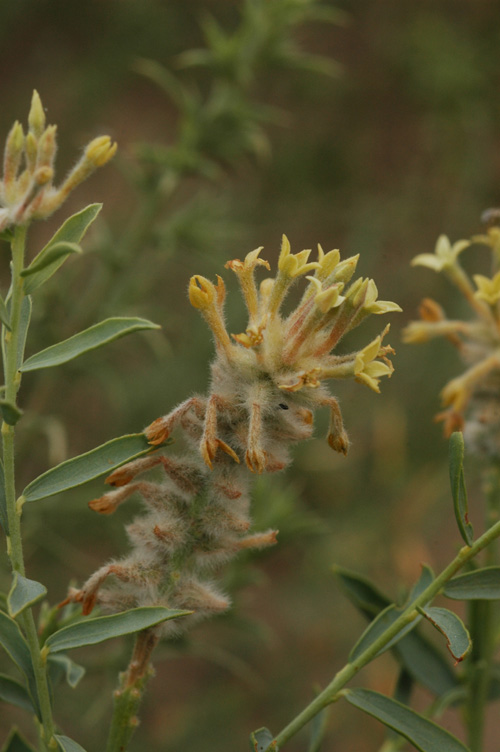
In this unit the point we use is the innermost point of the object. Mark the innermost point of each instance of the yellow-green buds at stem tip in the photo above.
(27, 191)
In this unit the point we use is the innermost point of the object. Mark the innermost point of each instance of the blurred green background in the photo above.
(399, 146)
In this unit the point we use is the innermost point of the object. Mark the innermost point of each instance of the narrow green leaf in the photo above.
(458, 639)
(17, 743)
(458, 490)
(96, 336)
(71, 231)
(260, 740)
(482, 584)
(4, 314)
(361, 592)
(422, 733)
(24, 322)
(10, 412)
(62, 666)
(14, 692)
(4, 520)
(88, 466)
(57, 252)
(425, 663)
(15, 645)
(319, 726)
(67, 744)
(426, 578)
(92, 631)
(24, 593)
(377, 627)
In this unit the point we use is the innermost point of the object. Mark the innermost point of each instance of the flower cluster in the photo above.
(266, 382)
(471, 400)
(26, 190)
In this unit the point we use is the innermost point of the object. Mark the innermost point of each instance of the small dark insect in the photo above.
(283, 406)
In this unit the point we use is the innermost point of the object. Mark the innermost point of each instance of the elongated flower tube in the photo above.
(26, 189)
(471, 399)
(266, 384)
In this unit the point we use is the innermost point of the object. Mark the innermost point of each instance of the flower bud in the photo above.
(36, 117)
(100, 151)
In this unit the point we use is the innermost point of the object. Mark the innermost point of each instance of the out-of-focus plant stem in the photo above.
(333, 691)
(483, 623)
(15, 547)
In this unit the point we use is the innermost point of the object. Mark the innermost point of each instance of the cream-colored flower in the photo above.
(367, 369)
(293, 265)
(372, 305)
(487, 289)
(445, 255)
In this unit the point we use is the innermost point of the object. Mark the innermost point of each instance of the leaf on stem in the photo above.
(24, 322)
(422, 733)
(67, 744)
(17, 743)
(91, 338)
(458, 489)
(85, 467)
(361, 592)
(426, 664)
(4, 314)
(426, 578)
(71, 231)
(15, 645)
(57, 252)
(24, 593)
(4, 520)
(10, 412)
(14, 692)
(482, 584)
(261, 739)
(318, 730)
(376, 629)
(62, 665)
(448, 623)
(92, 631)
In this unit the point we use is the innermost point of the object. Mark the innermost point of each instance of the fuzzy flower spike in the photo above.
(472, 399)
(266, 382)
(26, 189)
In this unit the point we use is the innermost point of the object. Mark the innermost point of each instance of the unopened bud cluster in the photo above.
(472, 399)
(266, 383)
(26, 190)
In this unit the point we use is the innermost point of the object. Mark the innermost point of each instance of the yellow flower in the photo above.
(487, 289)
(372, 305)
(293, 265)
(445, 255)
(367, 369)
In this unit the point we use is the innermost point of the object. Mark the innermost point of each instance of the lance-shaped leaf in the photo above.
(260, 740)
(57, 252)
(14, 692)
(319, 725)
(458, 490)
(376, 629)
(91, 338)
(4, 520)
(458, 639)
(61, 665)
(15, 645)
(71, 231)
(24, 593)
(92, 631)
(4, 314)
(88, 466)
(24, 323)
(361, 592)
(67, 744)
(426, 578)
(426, 664)
(482, 584)
(422, 733)
(10, 412)
(17, 743)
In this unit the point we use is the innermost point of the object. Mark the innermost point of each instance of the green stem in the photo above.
(128, 696)
(482, 630)
(332, 692)
(12, 378)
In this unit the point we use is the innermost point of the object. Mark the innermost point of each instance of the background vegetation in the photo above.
(400, 146)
